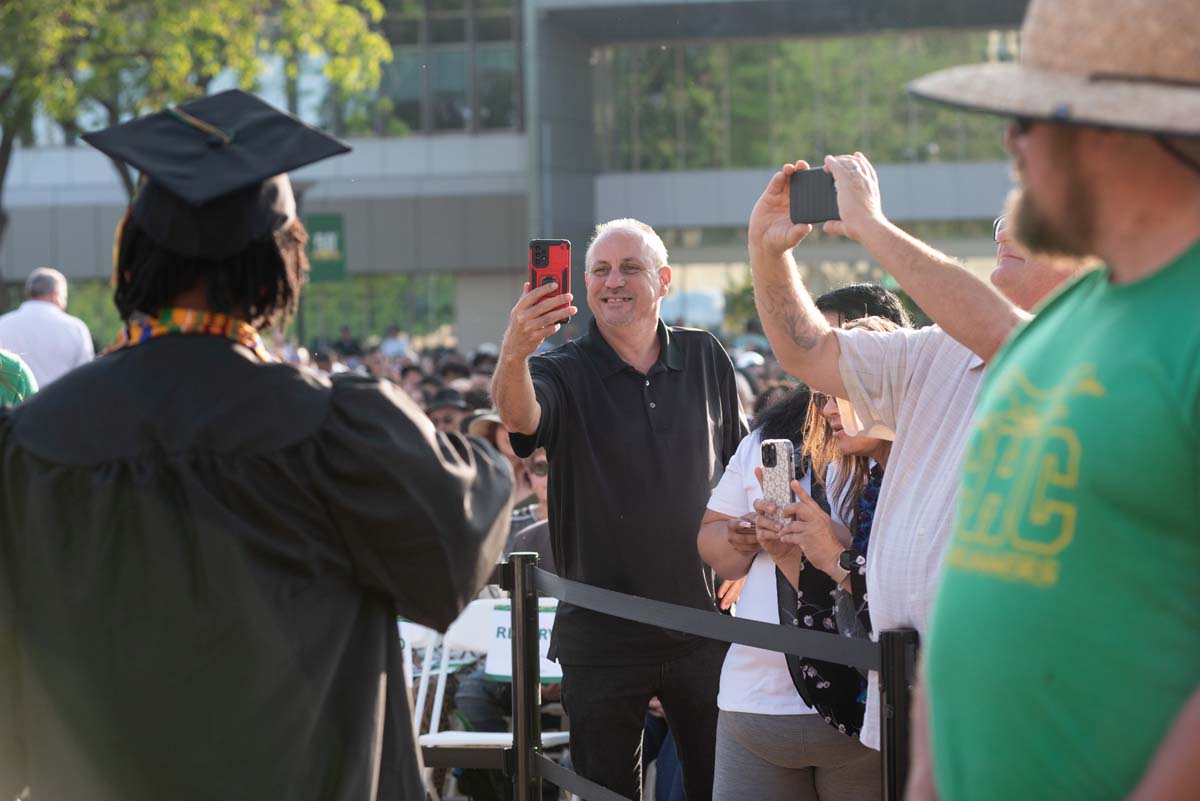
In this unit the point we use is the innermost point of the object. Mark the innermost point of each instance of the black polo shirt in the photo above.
(633, 460)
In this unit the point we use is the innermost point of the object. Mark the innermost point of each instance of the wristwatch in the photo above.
(848, 561)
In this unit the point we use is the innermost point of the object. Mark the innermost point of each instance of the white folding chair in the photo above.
(472, 631)
(413, 636)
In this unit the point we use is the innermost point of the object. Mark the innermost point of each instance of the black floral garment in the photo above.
(837, 692)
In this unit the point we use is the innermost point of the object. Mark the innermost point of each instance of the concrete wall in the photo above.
(484, 301)
(703, 198)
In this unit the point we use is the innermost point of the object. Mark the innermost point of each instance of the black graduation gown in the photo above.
(201, 562)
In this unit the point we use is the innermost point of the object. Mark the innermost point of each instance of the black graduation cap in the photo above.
(214, 170)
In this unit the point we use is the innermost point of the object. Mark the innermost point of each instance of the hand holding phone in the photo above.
(536, 315)
(859, 203)
(742, 535)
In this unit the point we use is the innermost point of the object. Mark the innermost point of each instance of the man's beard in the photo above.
(1073, 233)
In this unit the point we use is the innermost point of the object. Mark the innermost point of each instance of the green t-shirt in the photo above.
(16, 379)
(1066, 634)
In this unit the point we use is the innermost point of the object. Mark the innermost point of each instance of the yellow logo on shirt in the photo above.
(1016, 508)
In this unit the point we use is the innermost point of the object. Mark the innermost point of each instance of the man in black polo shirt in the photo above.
(639, 421)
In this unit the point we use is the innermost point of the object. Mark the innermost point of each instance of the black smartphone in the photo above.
(813, 199)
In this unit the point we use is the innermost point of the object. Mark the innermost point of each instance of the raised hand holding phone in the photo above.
(771, 230)
(536, 316)
(858, 199)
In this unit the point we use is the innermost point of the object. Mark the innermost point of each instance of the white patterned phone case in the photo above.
(778, 473)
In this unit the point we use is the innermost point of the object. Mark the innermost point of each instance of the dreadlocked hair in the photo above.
(260, 285)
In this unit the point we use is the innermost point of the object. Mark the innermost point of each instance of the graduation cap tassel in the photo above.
(224, 137)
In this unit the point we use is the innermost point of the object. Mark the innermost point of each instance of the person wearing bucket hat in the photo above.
(203, 551)
(1064, 646)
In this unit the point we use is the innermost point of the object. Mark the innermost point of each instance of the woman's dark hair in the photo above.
(261, 284)
(864, 300)
(785, 417)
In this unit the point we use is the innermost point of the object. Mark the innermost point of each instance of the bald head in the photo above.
(48, 285)
(1027, 278)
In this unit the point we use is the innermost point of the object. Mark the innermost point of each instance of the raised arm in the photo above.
(422, 515)
(534, 318)
(965, 306)
(802, 340)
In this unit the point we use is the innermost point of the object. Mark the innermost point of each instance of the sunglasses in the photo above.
(539, 468)
(997, 227)
(1022, 125)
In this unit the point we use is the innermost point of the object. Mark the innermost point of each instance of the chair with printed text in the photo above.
(475, 630)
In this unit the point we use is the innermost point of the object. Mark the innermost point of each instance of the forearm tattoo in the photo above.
(779, 301)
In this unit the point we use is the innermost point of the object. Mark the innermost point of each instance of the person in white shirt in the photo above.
(770, 743)
(918, 387)
(42, 333)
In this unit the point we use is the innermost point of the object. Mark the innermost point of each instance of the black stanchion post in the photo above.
(898, 655)
(527, 680)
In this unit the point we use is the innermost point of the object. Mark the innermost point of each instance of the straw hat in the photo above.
(1132, 65)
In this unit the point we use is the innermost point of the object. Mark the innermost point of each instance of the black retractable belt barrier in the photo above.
(894, 657)
(527, 684)
(572, 782)
(771, 636)
(898, 649)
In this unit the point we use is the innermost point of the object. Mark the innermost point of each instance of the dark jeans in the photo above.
(658, 747)
(607, 709)
(483, 703)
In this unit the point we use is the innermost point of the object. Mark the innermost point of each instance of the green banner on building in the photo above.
(326, 247)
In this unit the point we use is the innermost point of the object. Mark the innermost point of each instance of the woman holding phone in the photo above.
(824, 559)
(771, 744)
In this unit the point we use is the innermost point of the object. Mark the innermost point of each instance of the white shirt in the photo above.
(394, 347)
(920, 386)
(753, 679)
(49, 340)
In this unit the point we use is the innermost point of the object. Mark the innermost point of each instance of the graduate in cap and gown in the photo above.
(203, 552)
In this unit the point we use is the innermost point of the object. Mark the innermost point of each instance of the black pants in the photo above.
(607, 709)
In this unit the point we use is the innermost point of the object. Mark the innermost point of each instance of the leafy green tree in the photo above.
(98, 62)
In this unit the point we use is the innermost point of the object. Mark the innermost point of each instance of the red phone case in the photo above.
(550, 259)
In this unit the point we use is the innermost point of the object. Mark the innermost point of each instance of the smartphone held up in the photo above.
(812, 196)
(550, 262)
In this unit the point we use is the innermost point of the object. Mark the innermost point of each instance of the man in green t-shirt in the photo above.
(1063, 657)
(16, 379)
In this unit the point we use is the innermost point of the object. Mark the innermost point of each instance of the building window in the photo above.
(456, 66)
(400, 94)
(449, 102)
(496, 86)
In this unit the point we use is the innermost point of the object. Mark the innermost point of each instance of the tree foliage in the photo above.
(91, 63)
